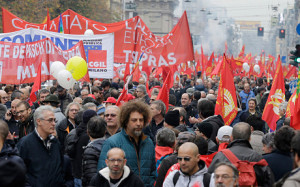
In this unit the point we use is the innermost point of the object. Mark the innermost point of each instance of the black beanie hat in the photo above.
(172, 118)
(12, 173)
(206, 128)
(87, 115)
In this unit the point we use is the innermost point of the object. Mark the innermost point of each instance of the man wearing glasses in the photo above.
(116, 173)
(25, 115)
(193, 171)
(40, 151)
(111, 117)
(226, 175)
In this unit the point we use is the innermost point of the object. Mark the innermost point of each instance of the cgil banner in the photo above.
(132, 37)
(19, 61)
(99, 49)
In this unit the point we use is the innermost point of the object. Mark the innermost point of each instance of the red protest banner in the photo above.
(132, 37)
(19, 62)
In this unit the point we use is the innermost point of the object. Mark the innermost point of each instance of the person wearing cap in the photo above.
(205, 129)
(64, 98)
(172, 120)
(139, 149)
(52, 100)
(158, 111)
(141, 93)
(223, 137)
(110, 101)
(168, 162)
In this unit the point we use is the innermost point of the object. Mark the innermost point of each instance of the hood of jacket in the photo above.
(7, 150)
(215, 119)
(105, 173)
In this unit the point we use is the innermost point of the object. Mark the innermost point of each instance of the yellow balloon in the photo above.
(77, 66)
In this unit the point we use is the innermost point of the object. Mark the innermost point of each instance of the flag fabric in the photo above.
(48, 20)
(291, 105)
(37, 84)
(127, 71)
(226, 104)
(60, 25)
(276, 96)
(295, 117)
(209, 65)
(124, 94)
(163, 94)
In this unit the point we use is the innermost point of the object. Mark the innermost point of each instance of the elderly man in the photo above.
(282, 111)
(226, 175)
(193, 171)
(111, 117)
(4, 97)
(84, 94)
(141, 93)
(40, 151)
(139, 148)
(12, 119)
(25, 115)
(116, 173)
(41, 97)
(158, 111)
(245, 95)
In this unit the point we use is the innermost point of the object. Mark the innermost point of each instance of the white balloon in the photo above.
(89, 32)
(256, 68)
(247, 69)
(245, 65)
(56, 67)
(65, 79)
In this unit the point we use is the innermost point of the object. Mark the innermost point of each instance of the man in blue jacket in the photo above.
(138, 148)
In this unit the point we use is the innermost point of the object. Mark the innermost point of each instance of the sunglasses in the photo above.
(186, 159)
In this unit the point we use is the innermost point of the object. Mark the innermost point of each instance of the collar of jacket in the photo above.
(240, 142)
(125, 134)
(105, 173)
(30, 118)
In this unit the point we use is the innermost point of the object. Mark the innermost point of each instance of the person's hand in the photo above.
(193, 120)
(10, 136)
(8, 115)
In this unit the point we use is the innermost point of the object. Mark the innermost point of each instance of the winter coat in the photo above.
(83, 140)
(217, 122)
(164, 167)
(245, 97)
(190, 112)
(61, 131)
(161, 151)
(151, 130)
(27, 126)
(256, 141)
(279, 123)
(90, 160)
(44, 166)
(11, 153)
(65, 101)
(243, 151)
(293, 180)
(58, 115)
(14, 126)
(129, 179)
(189, 181)
(279, 162)
(141, 162)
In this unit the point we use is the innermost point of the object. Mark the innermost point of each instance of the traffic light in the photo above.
(281, 33)
(260, 31)
(295, 56)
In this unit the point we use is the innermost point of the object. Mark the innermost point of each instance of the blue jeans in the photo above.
(77, 182)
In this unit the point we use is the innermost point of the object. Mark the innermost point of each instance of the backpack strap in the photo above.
(206, 179)
(231, 157)
(176, 177)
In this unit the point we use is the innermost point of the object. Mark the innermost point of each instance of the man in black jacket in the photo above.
(116, 173)
(25, 115)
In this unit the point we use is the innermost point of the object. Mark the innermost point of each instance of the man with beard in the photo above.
(25, 115)
(139, 149)
(116, 173)
(12, 119)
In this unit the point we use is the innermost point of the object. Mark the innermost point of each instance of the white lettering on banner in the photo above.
(31, 26)
(95, 26)
(69, 54)
(66, 18)
(97, 64)
(4, 50)
(33, 70)
(76, 24)
(19, 51)
(152, 61)
(23, 73)
(13, 23)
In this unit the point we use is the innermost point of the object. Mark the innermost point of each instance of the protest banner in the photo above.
(19, 61)
(99, 49)
(132, 37)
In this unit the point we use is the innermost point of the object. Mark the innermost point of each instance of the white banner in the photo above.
(99, 49)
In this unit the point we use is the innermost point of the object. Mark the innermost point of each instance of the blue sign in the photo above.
(283, 59)
(298, 28)
(293, 86)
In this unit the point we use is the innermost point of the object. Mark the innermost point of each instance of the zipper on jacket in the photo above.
(189, 181)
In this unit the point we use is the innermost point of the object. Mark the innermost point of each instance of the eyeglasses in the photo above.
(115, 160)
(50, 120)
(225, 177)
(21, 111)
(112, 115)
(4, 97)
(186, 159)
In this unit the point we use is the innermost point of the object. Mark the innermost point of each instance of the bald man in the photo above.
(116, 173)
(12, 118)
(193, 171)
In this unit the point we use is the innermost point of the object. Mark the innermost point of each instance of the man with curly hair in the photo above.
(139, 149)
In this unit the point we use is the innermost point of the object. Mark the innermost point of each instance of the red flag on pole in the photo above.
(295, 118)
(48, 20)
(37, 84)
(226, 104)
(276, 96)
(127, 71)
(163, 95)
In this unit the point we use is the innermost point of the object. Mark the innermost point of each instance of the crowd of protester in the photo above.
(79, 137)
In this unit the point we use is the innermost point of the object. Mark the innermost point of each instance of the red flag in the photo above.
(127, 71)
(37, 84)
(295, 118)
(242, 53)
(124, 95)
(217, 69)
(163, 95)
(291, 105)
(226, 105)
(292, 72)
(276, 96)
